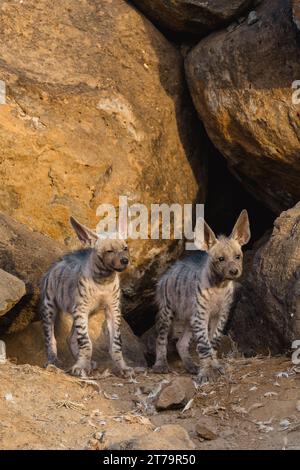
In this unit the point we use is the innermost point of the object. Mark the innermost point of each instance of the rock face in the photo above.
(241, 84)
(195, 17)
(167, 437)
(268, 312)
(28, 346)
(96, 107)
(27, 255)
(12, 290)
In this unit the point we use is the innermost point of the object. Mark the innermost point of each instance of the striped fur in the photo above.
(78, 284)
(199, 290)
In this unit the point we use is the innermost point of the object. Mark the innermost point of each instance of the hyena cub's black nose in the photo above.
(124, 261)
(233, 272)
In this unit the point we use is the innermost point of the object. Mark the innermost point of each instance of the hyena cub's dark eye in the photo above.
(126, 248)
(109, 251)
(238, 257)
(221, 259)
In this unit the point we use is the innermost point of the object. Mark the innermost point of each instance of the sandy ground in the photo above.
(256, 406)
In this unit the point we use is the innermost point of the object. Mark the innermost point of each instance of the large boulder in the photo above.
(26, 255)
(267, 315)
(97, 107)
(241, 83)
(195, 17)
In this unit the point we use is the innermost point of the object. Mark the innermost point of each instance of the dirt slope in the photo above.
(47, 409)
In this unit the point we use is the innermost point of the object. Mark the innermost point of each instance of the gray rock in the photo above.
(267, 315)
(12, 290)
(197, 17)
(252, 18)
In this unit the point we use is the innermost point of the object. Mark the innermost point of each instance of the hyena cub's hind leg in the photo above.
(49, 312)
(183, 348)
(163, 326)
(73, 343)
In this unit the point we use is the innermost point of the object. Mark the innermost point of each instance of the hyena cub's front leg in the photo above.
(73, 345)
(210, 368)
(183, 348)
(113, 318)
(216, 337)
(83, 351)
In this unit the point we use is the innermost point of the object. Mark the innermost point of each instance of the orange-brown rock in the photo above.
(241, 83)
(96, 107)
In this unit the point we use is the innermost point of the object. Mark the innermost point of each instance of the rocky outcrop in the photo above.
(241, 83)
(196, 17)
(27, 255)
(12, 290)
(267, 315)
(96, 107)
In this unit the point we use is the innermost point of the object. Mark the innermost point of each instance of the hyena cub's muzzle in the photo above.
(123, 263)
(234, 273)
(120, 262)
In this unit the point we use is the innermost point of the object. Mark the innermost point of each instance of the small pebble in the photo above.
(252, 18)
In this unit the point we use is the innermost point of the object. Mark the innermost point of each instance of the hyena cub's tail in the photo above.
(48, 313)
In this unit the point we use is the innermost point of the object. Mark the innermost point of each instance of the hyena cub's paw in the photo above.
(192, 368)
(161, 368)
(81, 369)
(124, 371)
(219, 369)
(210, 373)
(128, 373)
(53, 361)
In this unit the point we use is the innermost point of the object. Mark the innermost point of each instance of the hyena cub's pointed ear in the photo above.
(204, 236)
(84, 234)
(241, 231)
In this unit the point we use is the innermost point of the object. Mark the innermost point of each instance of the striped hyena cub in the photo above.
(78, 284)
(199, 290)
